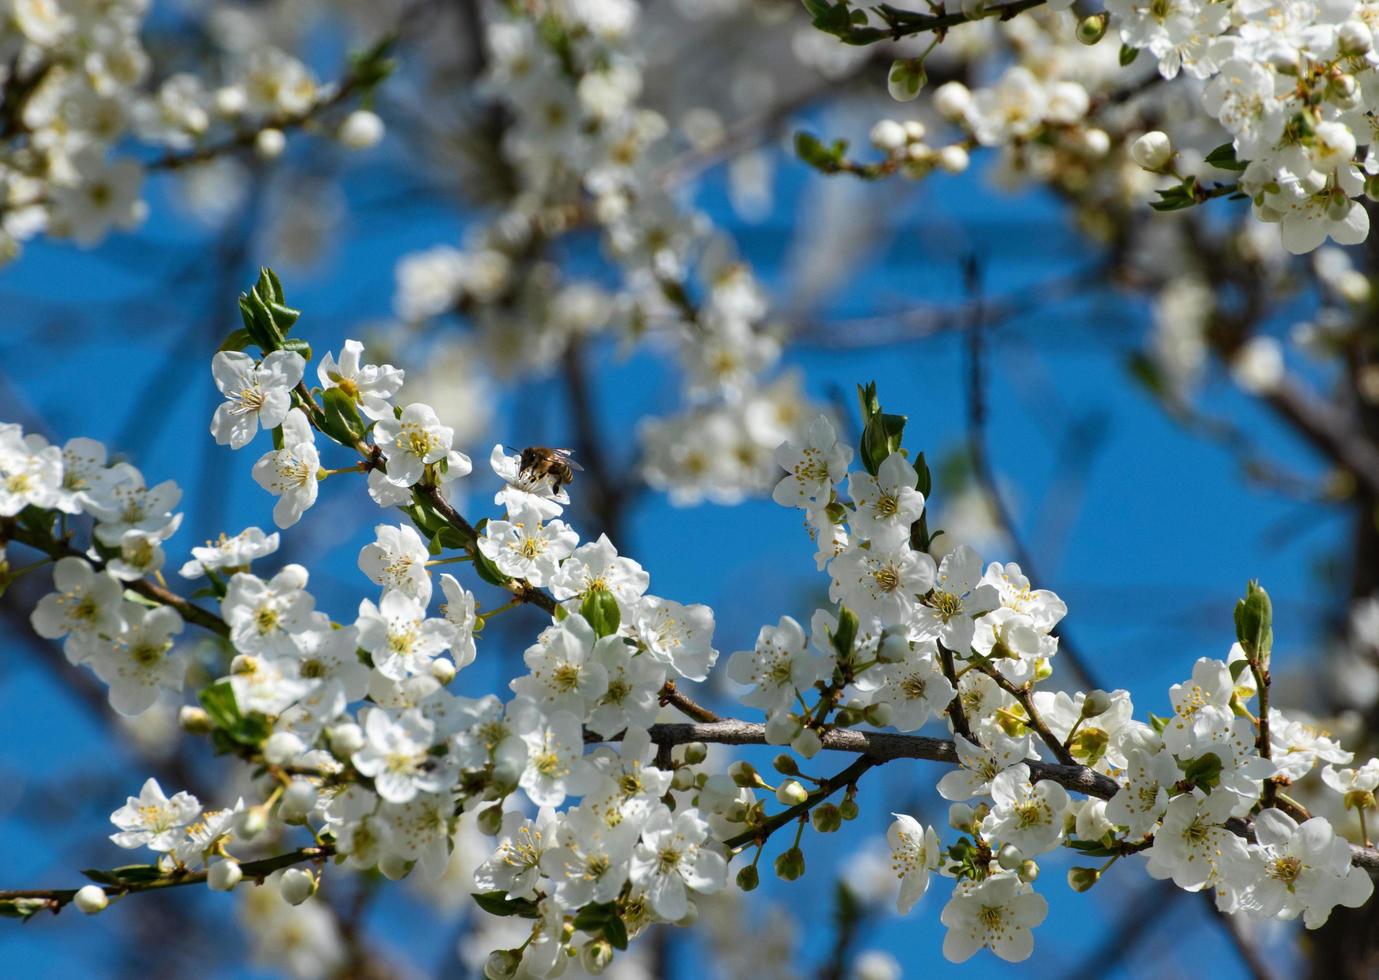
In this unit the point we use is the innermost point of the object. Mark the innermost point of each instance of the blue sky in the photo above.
(1149, 549)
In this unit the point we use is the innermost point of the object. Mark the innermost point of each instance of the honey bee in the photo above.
(539, 462)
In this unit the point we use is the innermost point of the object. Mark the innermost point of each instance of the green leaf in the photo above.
(1254, 624)
(128, 874)
(299, 346)
(487, 570)
(600, 609)
(615, 931)
(497, 903)
(881, 437)
(1204, 770)
(828, 159)
(591, 918)
(845, 635)
(1178, 197)
(1128, 54)
(1158, 723)
(342, 422)
(219, 702)
(1223, 158)
(23, 908)
(237, 340)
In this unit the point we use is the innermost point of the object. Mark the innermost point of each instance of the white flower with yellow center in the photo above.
(368, 385)
(678, 635)
(957, 599)
(397, 755)
(778, 668)
(674, 858)
(997, 913)
(886, 504)
(140, 664)
(230, 553)
(915, 852)
(412, 443)
(555, 766)
(812, 468)
(567, 672)
(1027, 815)
(152, 820)
(87, 609)
(256, 393)
(30, 471)
(399, 636)
(525, 548)
(881, 583)
(262, 616)
(396, 559)
(515, 867)
(291, 473)
(1201, 707)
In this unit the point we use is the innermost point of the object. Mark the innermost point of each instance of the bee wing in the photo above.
(567, 456)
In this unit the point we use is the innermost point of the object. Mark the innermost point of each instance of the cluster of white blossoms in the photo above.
(1290, 88)
(604, 820)
(75, 77)
(586, 154)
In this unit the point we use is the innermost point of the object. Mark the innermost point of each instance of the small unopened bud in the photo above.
(848, 809)
(807, 743)
(1029, 870)
(879, 714)
(960, 816)
(683, 779)
(298, 800)
(1082, 879)
(744, 774)
(194, 719)
(270, 143)
(595, 956)
(1092, 28)
(781, 729)
(914, 130)
(1009, 857)
(443, 669)
(361, 130)
(888, 136)
(297, 885)
(826, 818)
(1355, 38)
(696, 752)
(906, 79)
(1152, 151)
(282, 747)
(952, 100)
(785, 765)
(894, 647)
(790, 864)
(1095, 703)
(345, 739)
(490, 819)
(952, 159)
(791, 793)
(748, 878)
(91, 899)
(223, 875)
(253, 822)
(502, 964)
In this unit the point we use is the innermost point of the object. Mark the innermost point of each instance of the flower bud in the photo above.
(297, 885)
(961, 816)
(282, 747)
(345, 739)
(90, 899)
(696, 752)
(807, 743)
(785, 765)
(1152, 151)
(1029, 870)
(781, 729)
(502, 964)
(888, 136)
(230, 100)
(595, 956)
(848, 808)
(1355, 38)
(952, 159)
(1082, 879)
(252, 822)
(879, 714)
(683, 779)
(914, 130)
(748, 878)
(298, 800)
(952, 100)
(194, 720)
(1095, 703)
(791, 793)
(790, 864)
(826, 818)
(490, 819)
(361, 130)
(443, 669)
(744, 774)
(1009, 857)
(1092, 28)
(1095, 143)
(224, 875)
(270, 143)
(894, 646)
(906, 78)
